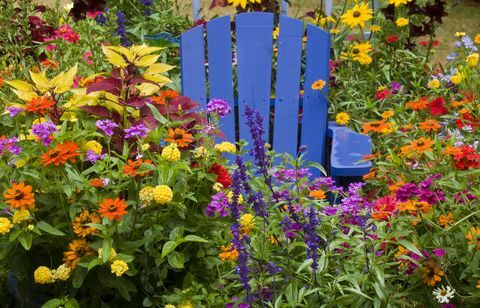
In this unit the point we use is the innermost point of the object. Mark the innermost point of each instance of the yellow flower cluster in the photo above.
(20, 216)
(358, 52)
(226, 147)
(402, 22)
(43, 275)
(230, 197)
(162, 194)
(472, 60)
(62, 273)
(398, 2)
(342, 118)
(146, 194)
(118, 267)
(242, 3)
(434, 84)
(457, 78)
(5, 225)
(94, 146)
(171, 153)
(201, 151)
(113, 254)
(247, 221)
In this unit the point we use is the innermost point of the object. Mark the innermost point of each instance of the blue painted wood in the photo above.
(162, 36)
(192, 64)
(285, 130)
(348, 149)
(220, 77)
(196, 10)
(315, 104)
(254, 63)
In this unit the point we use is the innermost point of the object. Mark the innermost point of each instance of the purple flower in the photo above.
(255, 199)
(325, 184)
(106, 126)
(354, 203)
(13, 111)
(289, 227)
(330, 210)
(396, 87)
(290, 175)
(43, 132)
(311, 237)
(218, 204)
(121, 31)
(218, 106)
(92, 157)
(464, 196)
(139, 131)
(406, 191)
(9, 144)
(439, 252)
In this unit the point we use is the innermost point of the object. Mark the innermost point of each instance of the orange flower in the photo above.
(473, 237)
(417, 146)
(39, 105)
(371, 156)
(431, 273)
(20, 196)
(228, 254)
(113, 208)
(79, 227)
(96, 182)
(449, 150)
(131, 168)
(377, 127)
(318, 194)
(49, 64)
(61, 154)
(407, 206)
(179, 136)
(396, 186)
(430, 125)
(165, 97)
(420, 104)
(370, 176)
(478, 284)
(78, 249)
(445, 220)
(459, 103)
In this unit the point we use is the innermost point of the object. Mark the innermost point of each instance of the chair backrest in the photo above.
(290, 120)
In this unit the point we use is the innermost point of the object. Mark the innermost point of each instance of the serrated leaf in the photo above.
(147, 60)
(158, 68)
(114, 58)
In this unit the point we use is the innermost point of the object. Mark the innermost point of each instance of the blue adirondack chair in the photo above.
(294, 115)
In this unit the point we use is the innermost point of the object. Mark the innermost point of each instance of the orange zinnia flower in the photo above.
(420, 104)
(79, 227)
(20, 196)
(417, 146)
(430, 125)
(445, 220)
(96, 182)
(179, 136)
(318, 194)
(228, 254)
(449, 150)
(61, 154)
(431, 273)
(370, 176)
(39, 105)
(131, 167)
(113, 208)
(165, 97)
(473, 237)
(78, 249)
(377, 127)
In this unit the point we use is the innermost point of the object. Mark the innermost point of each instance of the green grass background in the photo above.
(464, 16)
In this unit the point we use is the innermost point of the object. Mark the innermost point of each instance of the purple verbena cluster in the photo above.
(138, 131)
(43, 131)
(9, 144)
(218, 204)
(423, 191)
(93, 158)
(290, 175)
(218, 106)
(106, 126)
(13, 111)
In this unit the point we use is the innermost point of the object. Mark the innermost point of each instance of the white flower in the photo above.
(443, 295)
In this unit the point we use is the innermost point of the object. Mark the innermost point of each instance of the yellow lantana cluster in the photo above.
(94, 146)
(171, 153)
(162, 194)
(118, 267)
(44, 275)
(146, 194)
(226, 147)
(5, 225)
(20, 216)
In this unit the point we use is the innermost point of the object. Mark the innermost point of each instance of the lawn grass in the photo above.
(463, 16)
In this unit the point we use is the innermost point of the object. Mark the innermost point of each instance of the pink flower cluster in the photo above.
(63, 32)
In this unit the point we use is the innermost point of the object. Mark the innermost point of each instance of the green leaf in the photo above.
(195, 238)
(168, 247)
(72, 303)
(123, 285)
(156, 114)
(44, 226)
(78, 277)
(53, 303)
(410, 246)
(26, 240)
(106, 250)
(176, 259)
(14, 235)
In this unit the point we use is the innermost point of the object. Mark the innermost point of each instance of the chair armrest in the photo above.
(348, 149)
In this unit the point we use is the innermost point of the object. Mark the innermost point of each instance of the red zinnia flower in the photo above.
(383, 94)
(392, 38)
(437, 107)
(467, 120)
(223, 177)
(467, 158)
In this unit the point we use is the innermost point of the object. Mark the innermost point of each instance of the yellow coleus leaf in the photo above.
(81, 98)
(146, 60)
(158, 68)
(114, 58)
(90, 78)
(25, 95)
(160, 79)
(123, 51)
(64, 81)
(20, 85)
(41, 81)
(110, 97)
(143, 50)
(147, 89)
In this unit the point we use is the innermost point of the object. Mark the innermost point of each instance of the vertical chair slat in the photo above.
(288, 85)
(254, 62)
(192, 64)
(220, 77)
(315, 103)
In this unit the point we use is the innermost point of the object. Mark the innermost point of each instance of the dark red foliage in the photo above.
(437, 106)
(223, 177)
(82, 7)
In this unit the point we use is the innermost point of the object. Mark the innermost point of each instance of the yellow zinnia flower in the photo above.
(434, 84)
(318, 85)
(387, 114)
(477, 39)
(457, 78)
(357, 16)
(94, 146)
(342, 118)
(472, 60)
(226, 147)
(402, 22)
(398, 2)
